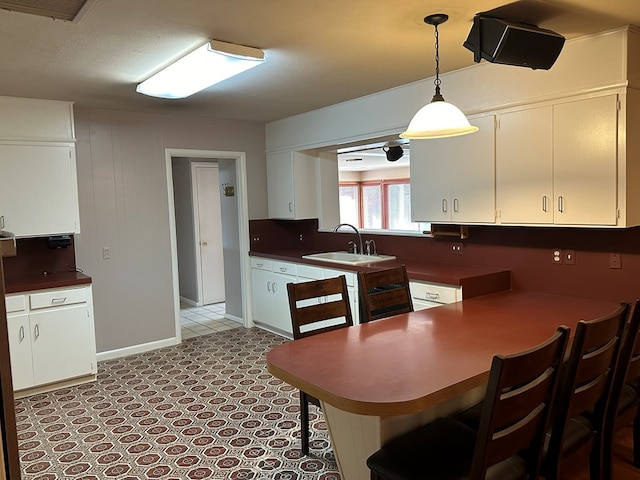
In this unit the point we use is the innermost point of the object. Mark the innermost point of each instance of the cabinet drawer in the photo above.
(435, 292)
(261, 263)
(284, 268)
(57, 298)
(15, 303)
(309, 272)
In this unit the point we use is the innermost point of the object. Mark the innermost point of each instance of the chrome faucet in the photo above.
(370, 250)
(337, 227)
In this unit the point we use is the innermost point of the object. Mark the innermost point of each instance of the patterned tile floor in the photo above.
(205, 409)
(197, 321)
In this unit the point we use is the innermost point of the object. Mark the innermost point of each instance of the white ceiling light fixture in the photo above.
(437, 119)
(207, 65)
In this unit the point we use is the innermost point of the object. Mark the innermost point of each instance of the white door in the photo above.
(209, 220)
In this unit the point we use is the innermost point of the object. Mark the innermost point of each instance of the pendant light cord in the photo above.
(437, 96)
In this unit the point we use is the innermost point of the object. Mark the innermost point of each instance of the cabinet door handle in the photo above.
(57, 301)
(560, 204)
(433, 296)
(268, 286)
(291, 207)
(444, 205)
(544, 203)
(36, 331)
(1, 222)
(455, 205)
(274, 287)
(21, 333)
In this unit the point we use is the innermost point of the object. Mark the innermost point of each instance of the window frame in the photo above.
(384, 196)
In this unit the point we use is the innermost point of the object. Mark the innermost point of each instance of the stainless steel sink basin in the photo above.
(347, 258)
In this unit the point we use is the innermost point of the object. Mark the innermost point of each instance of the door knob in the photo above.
(204, 244)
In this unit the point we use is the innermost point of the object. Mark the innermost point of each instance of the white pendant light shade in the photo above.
(438, 119)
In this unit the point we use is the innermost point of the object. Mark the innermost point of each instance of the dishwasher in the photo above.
(428, 295)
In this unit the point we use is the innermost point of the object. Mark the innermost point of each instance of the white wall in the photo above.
(122, 183)
(231, 240)
(586, 63)
(185, 228)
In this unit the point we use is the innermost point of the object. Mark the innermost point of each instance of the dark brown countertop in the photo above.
(40, 281)
(474, 280)
(441, 352)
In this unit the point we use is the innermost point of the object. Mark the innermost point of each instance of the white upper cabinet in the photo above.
(453, 179)
(524, 166)
(38, 180)
(291, 185)
(558, 164)
(38, 190)
(585, 160)
(35, 120)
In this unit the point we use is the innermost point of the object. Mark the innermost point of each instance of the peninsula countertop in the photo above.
(411, 362)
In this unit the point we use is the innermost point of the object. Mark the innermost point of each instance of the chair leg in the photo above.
(604, 445)
(636, 440)
(597, 462)
(304, 423)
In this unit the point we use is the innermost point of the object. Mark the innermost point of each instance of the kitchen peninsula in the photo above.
(380, 379)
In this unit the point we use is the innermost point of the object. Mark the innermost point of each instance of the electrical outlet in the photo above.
(106, 253)
(456, 248)
(569, 257)
(615, 260)
(556, 256)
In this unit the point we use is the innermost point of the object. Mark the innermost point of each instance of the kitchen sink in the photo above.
(347, 258)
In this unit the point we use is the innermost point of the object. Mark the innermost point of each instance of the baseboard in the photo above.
(135, 349)
(188, 301)
(234, 318)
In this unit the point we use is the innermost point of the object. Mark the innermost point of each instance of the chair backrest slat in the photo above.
(517, 405)
(322, 304)
(586, 386)
(384, 293)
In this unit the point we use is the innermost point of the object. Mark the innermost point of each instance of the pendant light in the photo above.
(438, 119)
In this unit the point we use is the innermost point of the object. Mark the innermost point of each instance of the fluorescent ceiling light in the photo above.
(207, 65)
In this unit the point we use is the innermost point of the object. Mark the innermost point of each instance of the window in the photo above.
(378, 205)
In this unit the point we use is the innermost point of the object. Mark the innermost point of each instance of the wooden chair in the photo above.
(514, 420)
(384, 293)
(625, 395)
(317, 306)
(579, 411)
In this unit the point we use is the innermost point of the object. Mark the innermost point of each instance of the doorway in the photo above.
(232, 174)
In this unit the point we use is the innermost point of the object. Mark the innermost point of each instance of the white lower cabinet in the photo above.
(429, 295)
(51, 336)
(352, 288)
(270, 300)
(269, 280)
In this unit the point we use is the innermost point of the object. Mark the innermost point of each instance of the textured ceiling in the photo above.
(319, 52)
